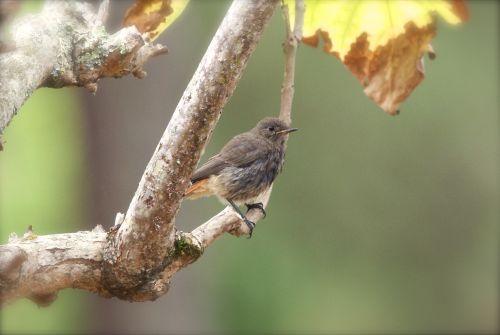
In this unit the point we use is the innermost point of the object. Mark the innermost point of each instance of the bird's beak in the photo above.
(286, 131)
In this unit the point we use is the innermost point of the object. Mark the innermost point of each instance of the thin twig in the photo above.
(299, 19)
(290, 50)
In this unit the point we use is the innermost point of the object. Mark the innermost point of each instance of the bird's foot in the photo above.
(250, 224)
(258, 205)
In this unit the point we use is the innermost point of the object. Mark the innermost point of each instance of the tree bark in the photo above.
(36, 267)
(67, 45)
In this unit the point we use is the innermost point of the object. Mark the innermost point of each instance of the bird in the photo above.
(244, 168)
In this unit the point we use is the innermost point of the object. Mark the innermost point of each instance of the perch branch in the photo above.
(67, 45)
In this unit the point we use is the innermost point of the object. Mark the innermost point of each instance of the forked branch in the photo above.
(67, 45)
(137, 258)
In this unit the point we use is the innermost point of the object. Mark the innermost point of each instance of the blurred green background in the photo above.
(377, 224)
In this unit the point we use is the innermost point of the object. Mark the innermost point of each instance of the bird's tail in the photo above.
(198, 189)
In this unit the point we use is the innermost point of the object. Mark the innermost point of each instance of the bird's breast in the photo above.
(243, 183)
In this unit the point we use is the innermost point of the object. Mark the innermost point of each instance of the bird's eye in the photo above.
(271, 128)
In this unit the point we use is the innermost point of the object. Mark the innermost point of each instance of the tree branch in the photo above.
(37, 267)
(76, 51)
(143, 250)
(290, 50)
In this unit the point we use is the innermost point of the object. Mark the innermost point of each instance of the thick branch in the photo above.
(67, 45)
(37, 267)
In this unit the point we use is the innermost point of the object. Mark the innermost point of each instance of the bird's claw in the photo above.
(251, 226)
(259, 206)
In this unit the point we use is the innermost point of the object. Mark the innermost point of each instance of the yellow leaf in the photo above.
(381, 41)
(153, 16)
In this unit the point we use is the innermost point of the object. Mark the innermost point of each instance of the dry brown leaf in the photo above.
(153, 16)
(382, 42)
(391, 73)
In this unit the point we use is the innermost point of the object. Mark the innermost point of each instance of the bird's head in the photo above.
(273, 128)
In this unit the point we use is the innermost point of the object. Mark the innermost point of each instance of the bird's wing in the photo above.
(241, 151)
(214, 165)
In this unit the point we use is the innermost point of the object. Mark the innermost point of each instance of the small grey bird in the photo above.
(245, 167)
